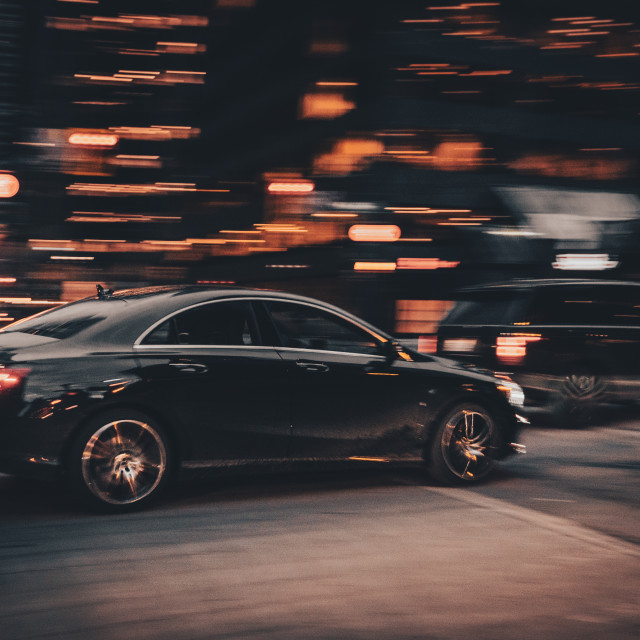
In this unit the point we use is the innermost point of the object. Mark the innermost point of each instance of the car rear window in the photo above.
(484, 308)
(62, 322)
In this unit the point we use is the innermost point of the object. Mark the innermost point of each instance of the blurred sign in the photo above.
(584, 262)
(568, 214)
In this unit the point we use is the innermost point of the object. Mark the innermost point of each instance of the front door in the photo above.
(348, 400)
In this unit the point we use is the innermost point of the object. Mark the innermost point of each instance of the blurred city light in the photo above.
(9, 185)
(290, 187)
(374, 233)
(93, 139)
(584, 262)
(401, 153)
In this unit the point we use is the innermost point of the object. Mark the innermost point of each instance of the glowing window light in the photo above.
(374, 266)
(374, 233)
(94, 139)
(7, 280)
(9, 185)
(290, 187)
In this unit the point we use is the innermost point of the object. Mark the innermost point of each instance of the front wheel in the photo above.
(120, 461)
(463, 445)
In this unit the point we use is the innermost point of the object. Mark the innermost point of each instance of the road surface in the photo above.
(549, 548)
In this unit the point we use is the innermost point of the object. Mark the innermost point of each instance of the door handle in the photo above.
(309, 365)
(189, 367)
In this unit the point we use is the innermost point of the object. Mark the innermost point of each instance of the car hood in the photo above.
(461, 367)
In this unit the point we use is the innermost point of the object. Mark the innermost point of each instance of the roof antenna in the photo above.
(103, 293)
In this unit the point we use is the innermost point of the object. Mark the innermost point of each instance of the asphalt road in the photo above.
(549, 548)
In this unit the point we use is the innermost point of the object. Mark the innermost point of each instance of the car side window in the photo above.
(307, 327)
(217, 323)
(586, 306)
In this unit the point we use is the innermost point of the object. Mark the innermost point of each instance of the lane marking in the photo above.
(556, 524)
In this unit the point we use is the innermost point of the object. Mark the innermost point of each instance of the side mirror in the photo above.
(389, 350)
(393, 350)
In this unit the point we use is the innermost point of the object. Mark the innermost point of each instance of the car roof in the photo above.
(534, 283)
(127, 313)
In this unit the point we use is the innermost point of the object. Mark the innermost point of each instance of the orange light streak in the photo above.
(374, 266)
(290, 187)
(328, 214)
(575, 18)
(93, 139)
(501, 72)
(374, 233)
(617, 55)
(328, 83)
(426, 263)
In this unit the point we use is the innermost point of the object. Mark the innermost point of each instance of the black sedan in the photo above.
(121, 390)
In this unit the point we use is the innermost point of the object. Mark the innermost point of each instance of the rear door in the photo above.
(208, 364)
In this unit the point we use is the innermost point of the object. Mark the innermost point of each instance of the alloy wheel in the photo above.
(465, 443)
(124, 461)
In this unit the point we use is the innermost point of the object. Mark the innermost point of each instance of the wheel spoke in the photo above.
(118, 439)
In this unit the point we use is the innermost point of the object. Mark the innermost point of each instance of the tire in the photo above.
(120, 461)
(462, 448)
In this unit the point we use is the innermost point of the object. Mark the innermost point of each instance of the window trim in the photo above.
(367, 356)
(378, 339)
(138, 342)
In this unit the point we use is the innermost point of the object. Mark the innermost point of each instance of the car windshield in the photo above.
(62, 322)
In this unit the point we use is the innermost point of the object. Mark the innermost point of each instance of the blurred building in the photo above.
(375, 156)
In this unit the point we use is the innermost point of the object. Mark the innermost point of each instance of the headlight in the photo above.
(513, 392)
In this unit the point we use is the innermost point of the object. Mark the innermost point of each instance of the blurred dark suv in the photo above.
(573, 345)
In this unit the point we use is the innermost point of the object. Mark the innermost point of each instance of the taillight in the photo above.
(428, 344)
(512, 348)
(11, 378)
(459, 345)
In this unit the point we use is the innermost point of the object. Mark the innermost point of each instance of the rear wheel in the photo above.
(463, 445)
(120, 461)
